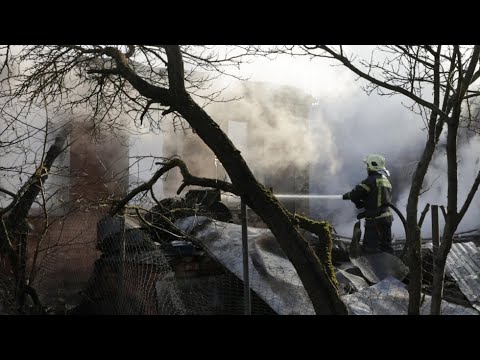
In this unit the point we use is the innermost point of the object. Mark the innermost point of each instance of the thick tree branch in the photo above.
(475, 77)
(13, 232)
(175, 70)
(144, 187)
(144, 112)
(29, 191)
(35, 298)
(444, 212)
(422, 215)
(131, 51)
(447, 99)
(467, 81)
(152, 92)
(189, 179)
(8, 192)
(12, 204)
(6, 246)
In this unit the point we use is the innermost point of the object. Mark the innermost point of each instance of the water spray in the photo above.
(295, 196)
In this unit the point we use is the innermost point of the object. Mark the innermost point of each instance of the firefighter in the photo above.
(374, 194)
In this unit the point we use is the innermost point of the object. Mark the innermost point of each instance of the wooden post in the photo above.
(246, 278)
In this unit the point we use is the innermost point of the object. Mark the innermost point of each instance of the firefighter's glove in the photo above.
(359, 204)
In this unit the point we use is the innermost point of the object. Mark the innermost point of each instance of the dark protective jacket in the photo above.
(374, 193)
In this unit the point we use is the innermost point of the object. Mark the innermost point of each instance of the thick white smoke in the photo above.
(363, 124)
(436, 184)
(346, 124)
(275, 118)
(342, 129)
(348, 129)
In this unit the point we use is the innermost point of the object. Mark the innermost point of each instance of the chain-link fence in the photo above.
(7, 293)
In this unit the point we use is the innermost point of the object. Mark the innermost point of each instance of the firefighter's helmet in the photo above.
(376, 163)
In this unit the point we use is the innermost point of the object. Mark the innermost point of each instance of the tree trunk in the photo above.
(13, 236)
(414, 242)
(451, 222)
(439, 263)
(453, 217)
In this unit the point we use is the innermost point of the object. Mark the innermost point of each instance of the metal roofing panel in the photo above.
(272, 275)
(390, 297)
(463, 264)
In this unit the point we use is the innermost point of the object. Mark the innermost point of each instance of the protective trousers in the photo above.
(378, 235)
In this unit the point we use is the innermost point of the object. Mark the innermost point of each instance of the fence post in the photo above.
(246, 278)
(437, 286)
(435, 231)
(120, 310)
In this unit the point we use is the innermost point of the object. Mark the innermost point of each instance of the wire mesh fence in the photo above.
(7, 294)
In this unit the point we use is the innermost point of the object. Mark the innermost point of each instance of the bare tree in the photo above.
(151, 82)
(441, 83)
(14, 227)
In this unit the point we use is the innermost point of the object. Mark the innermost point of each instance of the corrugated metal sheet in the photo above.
(275, 280)
(390, 297)
(463, 264)
(349, 283)
(376, 267)
(272, 275)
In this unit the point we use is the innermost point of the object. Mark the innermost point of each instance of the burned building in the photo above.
(84, 180)
(269, 125)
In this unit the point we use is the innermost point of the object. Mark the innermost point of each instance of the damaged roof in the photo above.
(275, 280)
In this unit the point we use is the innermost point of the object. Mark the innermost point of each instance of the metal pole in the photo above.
(300, 196)
(246, 278)
(437, 283)
(435, 231)
(119, 267)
